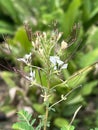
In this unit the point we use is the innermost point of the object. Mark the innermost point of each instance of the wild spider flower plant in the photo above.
(48, 50)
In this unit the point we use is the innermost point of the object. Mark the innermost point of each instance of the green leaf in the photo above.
(95, 11)
(75, 100)
(93, 37)
(9, 8)
(87, 89)
(87, 5)
(6, 28)
(41, 78)
(70, 16)
(22, 38)
(94, 129)
(5, 31)
(22, 126)
(39, 108)
(24, 115)
(68, 128)
(70, 109)
(33, 121)
(59, 122)
(77, 77)
(89, 58)
(63, 128)
(24, 121)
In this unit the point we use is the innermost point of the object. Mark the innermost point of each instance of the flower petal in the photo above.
(64, 66)
(54, 59)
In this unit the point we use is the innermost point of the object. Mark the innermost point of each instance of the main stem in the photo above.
(46, 118)
(47, 93)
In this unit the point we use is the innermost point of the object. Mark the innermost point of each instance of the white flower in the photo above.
(22, 59)
(31, 77)
(55, 60)
(26, 59)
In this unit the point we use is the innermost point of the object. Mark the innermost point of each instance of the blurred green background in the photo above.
(77, 19)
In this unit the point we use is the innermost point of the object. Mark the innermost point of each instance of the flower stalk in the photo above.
(46, 99)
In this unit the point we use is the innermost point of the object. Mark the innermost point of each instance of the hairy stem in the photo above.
(47, 97)
(46, 118)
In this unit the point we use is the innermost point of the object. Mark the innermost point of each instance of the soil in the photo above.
(5, 122)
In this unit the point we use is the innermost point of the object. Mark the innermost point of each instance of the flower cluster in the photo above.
(42, 44)
(57, 63)
(27, 60)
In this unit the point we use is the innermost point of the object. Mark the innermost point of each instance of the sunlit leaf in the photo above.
(22, 38)
(60, 122)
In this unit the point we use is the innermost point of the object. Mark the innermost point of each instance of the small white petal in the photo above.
(31, 77)
(55, 68)
(22, 59)
(28, 78)
(59, 62)
(32, 74)
(27, 56)
(64, 66)
(54, 59)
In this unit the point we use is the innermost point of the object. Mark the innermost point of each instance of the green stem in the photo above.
(46, 118)
(47, 97)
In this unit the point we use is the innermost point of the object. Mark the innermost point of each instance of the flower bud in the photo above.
(64, 45)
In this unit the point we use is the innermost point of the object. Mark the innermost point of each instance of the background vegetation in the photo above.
(78, 20)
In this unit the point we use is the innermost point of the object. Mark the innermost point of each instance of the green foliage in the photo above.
(66, 13)
(41, 15)
(6, 28)
(44, 47)
(39, 108)
(6, 76)
(24, 124)
(22, 38)
(69, 128)
(61, 87)
(70, 16)
(87, 89)
(90, 12)
(59, 122)
(10, 9)
(91, 56)
(94, 129)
